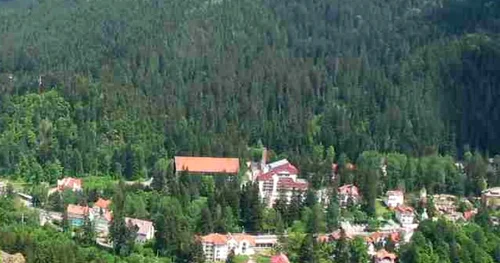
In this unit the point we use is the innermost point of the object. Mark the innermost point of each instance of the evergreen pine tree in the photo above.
(295, 208)
(306, 253)
(332, 214)
(342, 251)
(118, 230)
(311, 199)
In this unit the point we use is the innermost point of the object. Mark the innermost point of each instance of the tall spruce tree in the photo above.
(119, 232)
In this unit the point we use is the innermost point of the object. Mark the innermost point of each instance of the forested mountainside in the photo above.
(127, 82)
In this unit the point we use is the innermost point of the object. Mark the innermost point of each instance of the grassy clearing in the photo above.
(381, 209)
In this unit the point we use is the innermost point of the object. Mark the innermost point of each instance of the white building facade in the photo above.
(279, 178)
(394, 198)
(405, 215)
(216, 247)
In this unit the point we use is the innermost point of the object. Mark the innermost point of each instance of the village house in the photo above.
(102, 216)
(145, 229)
(279, 178)
(206, 165)
(394, 198)
(348, 193)
(491, 197)
(445, 204)
(383, 256)
(216, 247)
(77, 214)
(69, 183)
(405, 215)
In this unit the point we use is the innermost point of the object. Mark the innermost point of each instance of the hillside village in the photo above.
(279, 182)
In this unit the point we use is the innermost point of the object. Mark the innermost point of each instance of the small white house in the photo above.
(145, 229)
(405, 215)
(394, 198)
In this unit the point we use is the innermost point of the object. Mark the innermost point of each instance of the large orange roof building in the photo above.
(207, 165)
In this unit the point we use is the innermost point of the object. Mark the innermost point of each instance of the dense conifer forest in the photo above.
(111, 90)
(126, 82)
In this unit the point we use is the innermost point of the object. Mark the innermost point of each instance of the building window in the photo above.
(244, 247)
(268, 186)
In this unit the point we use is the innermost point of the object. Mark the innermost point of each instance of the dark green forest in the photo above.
(124, 83)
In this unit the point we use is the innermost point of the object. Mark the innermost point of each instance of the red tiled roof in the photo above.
(404, 209)
(381, 254)
(216, 239)
(208, 165)
(288, 183)
(349, 189)
(78, 210)
(375, 237)
(288, 167)
(102, 203)
(69, 182)
(468, 215)
(266, 176)
(395, 236)
(281, 258)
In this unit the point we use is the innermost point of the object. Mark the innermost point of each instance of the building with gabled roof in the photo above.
(277, 178)
(491, 197)
(348, 192)
(77, 214)
(405, 215)
(102, 216)
(69, 183)
(383, 256)
(207, 165)
(216, 247)
(394, 198)
(145, 229)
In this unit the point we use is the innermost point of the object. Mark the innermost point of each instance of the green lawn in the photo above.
(262, 259)
(380, 208)
(241, 259)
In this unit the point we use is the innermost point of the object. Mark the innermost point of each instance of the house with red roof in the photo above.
(69, 183)
(216, 247)
(207, 165)
(383, 256)
(405, 215)
(280, 177)
(348, 192)
(394, 198)
(102, 216)
(77, 214)
(145, 229)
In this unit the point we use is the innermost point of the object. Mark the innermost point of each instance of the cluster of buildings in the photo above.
(100, 213)
(275, 179)
(447, 206)
(372, 241)
(217, 247)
